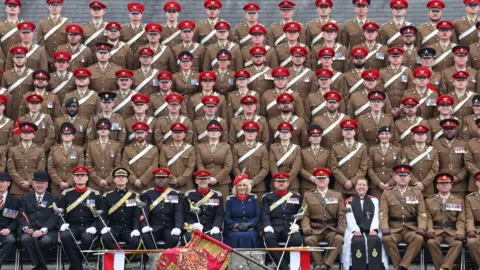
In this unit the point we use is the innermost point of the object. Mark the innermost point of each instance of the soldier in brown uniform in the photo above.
(390, 31)
(323, 218)
(348, 159)
(352, 35)
(140, 159)
(472, 159)
(170, 33)
(145, 78)
(63, 158)
(80, 122)
(87, 98)
(251, 157)
(210, 60)
(465, 26)
(94, 30)
(81, 55)
(235, 106)
(225, 82)
(186, 81)
(427, 99)
(377, 57)
(276, 32)
(241, 33)
(403, 126)
(216, 156)
(451, 150)
(205, 30)
(474, 54)
(6, 125)
(283, 51)
(472, 221)
(62, 80)
(426, 58)
(314, 31)
(460, 59)
(51, 31)
(103, 72)
(207, 80)
(443, 47)
(444, 107)
(249, 106)
(409, 34)
(461, 95)
(180, 157)
(402, 218)
(163, 58)
(133, 33)
(158, 102)
(446, 222)
(118, 131)
(45, 133)
(120, 54)
(50, 104)
(200, 124)
(139, 103)
(8, 28)
(17, 80)
(286, 156)
(261, 78)
(427, 32)
(381, 158)
(469, 125)
(352, 79)
(330, 32)
(302, 79)
(123, 106)
(36, 57)
(102, 156)
(313, 156)
(187, 44)
(335, 82)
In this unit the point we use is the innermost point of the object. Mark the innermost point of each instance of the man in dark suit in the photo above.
(38, 223)
(9, 209)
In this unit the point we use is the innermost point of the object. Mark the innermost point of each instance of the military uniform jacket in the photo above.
(200, 130)
(80, 124)
(9, 77)
(6, 131)
(235, 106)
(236, 127)
(448, 60)
(311, 161)
(394, 215)
(183, 167)
(218, 162)
(359, 99)
(169, 31)
(103, 80)
(281, 217)
(89, 29)
(436, 80)
(127, 215)
(335, 134)
(451, 160)
(403, 126)
(37, 60)
(211, 214)
(388, 30)
(196, 99)
(157, 100)
(314, 28)
(340, 59)
(211, 51)
(84, 58)
(139, 77)
(5, 27)
(352, 169)
(470, 129)
(162, 131)
(239, 32)
(198, 54)
(61, 163)
(80, 216)
(472, 161)
(271, 56)
(306, 84)
(466, 108)
(225, 83)
(299, 132)
(380, 164)
(318, 215)
(437, 130)
(263, 82)
(166, 61)
(45, 135)
(118, 131)
(368, 129)
(352, 33)
(126, 110)
(472, 214)
(186, 84)
(410, 57)
(424, 30)
(283, 54)
(56, 80)
(101, 162)
(270, 96)
(350, 78)
(10, 212)
(425, 169)
(58, 38)
(460, 26)
(451, 220)
(256, 165)
(143, 167)
(149, 120)
(474, 56)
(428, 108)
(378, 60)
(128, 32)
(39, 216)
(50, 105)
(395, 89)
(276, 30)
(447, 80)
(90, 106)
(204, 28)
(292, 164)
(168, 213)
(123, 55)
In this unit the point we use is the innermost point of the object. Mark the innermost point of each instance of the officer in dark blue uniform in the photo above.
(9, 209)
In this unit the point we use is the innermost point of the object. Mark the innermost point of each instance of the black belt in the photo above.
(324, 221)
(444, 224)
(403, 219)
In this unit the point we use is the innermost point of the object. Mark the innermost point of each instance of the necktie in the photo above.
(284, 148)
(19, 72)
(39, 201)
(315, 150)
(377, 119)
(399, 25)
(212, 148)
(360, 23)
(349, 146)
(102, 145)
(384, 149)
(97, 25)
(2, 203)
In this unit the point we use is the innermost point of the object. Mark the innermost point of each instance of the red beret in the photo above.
(244, 73)
(370, 26)
(174, 98)
(422, 71)
(445, 99)
(212, 3)
(439, 4)
(250, 125)
(349, 123)
(153, 27)
(248, 99)
(82, 72)
(172, 5)
(257, 50)
(370, 74)
(285, 97)
(329, 26)
(18, 50)
(292, 26)
(164, 75)
(251, 6)
(285, 126)
(81, 170)
(74, 28)
(178, 127)
(420, 129)
(398, 3)
(26, 26)
(444, 24)
(140, 98)
(324, 73)
(359, 50)
(210, 100)
(240, 177)
(139, 7)
(332, 95)
(409, 100)
(62, 55)
(124, 73)
(161, 172)
(202, 173)
(280, 72)
(321, 172)
(222, 25)
(326, 51)
(186, 24)
(140, 126)
(257, 28)
(34, 98)
(281, 175)
(208, 74)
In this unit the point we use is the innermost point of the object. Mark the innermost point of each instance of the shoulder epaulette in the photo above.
(230, 196)
(471, 194)
(432, 196)
(145, 191)
(339, 143)
(94, 191)
(254, 195)
(106, 193)
(190, 191)
(67, 190)
(266, 194)
(218, 193)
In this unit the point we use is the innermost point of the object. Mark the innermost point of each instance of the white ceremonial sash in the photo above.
(396, 76)
(241, 132)
(208, 37)
(467, 32)
(30, 52)
(377, 47)
(317, 38)
(350, 155)
(461, 103)
(294, 80)
(429, 36)
(124, 102)
(422, 155)
(408, 131)
(355, 86)
(82, 48)
(397, 35)
(178, 155)
(139, 155)
(279, 39)
(54, 29)
(249, 153)
(92, 37)
(361, 109)
(171, 37)
(277, 133)
(61, 85)
(254, 77)
(284, 157)
(149, 78)
(245, 38)
(134, 38)
(8, 34)
(160, 109)
(19, 81)
(85, 98)
(332, 126)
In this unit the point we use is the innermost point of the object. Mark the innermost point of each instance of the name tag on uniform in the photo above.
(332, 200)
(73, 155)
(453, 207)
(10, 213)
(214, 202)
(131, 202)
(404, 78)
(411, 200)
(81, 128)
(116, 126)
(306, 79)
(112, 154)
(339, 56)
(459, 150)
(171, 199)
(49, 104)
(90, 203)
(380, 56)
(431, 102)
(193, 82)
(293, 200)
(155, 82)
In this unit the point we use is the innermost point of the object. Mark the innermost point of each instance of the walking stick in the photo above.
(35, 241)
(141, 204)
(297, 216)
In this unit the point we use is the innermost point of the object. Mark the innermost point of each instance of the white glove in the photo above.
(268, 229)
(134, 233)
(215, 230)
(92, 230)
(147, 229)
(64, 227)
(105, 230)
(294, 228)
(198, 226)
(176, 231)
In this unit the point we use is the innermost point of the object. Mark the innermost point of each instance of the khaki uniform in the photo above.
(10, 77)
(50, 105)
(367, 131)
(3, 158)
(89, 29)
(450, 158)
(350, 79)
(204, 28)
(352, 33)
(261, 83)
(410, 58)
(269, 100)
(122, 55)
(318, 218)
(211, 51)
(101, 162)
(236, 129)
(21, 165)
(352, 169)
(304, 84)
(447, 80)
(276, 31)
(56, 39)
(472, 162)
(157, 107)
(283, 55)
(143, 167)
(149, 120)
(126, 110)
(474, 56)
(44, 136)
(359, 99)
(103, 80)
(403, 126)
(395, 89)
(200, 130)
(425, 169)
(241, 31)
(314, 28)
(470, 128)
(186, 85)
(37, 60)
(196, 49)
(169, 31)
(235, 106)
(460, 26)
(437, 131)
(166, 60)
(219, 162)
(299, 133)
(377, 60)
(310, 161)
(139, 77)
(225, 83)
(5, 27)
(61, 163)
(162, 127)
(118, 132)
(256, 166)
(80, 123)
(90, 106)
(291, 165)
(447, 61)
(402, 224)
(466, 108)
(445, 224)
(424, 30)
(182, 169)
(340, 59)
(128, 32)
(270, 58)
(196, 99)
(315, 100)
(56, 80)
(380, 166)
(428, 108)
(472, 223)
(436, 79)
(335, 134)
(388, 30)
(6, 132)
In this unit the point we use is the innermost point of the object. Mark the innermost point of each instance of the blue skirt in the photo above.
(248, 239)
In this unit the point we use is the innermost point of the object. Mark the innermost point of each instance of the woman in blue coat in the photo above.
(242, 215)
